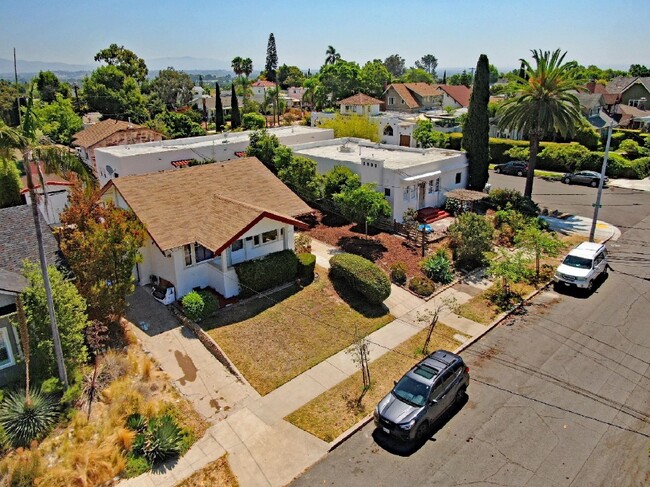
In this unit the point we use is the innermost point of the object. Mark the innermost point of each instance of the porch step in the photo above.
(430, 215)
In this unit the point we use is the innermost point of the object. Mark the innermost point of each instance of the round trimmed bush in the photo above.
(398, 273)
(193, 305)
(306, 266)
(361, 275)
(422, 286)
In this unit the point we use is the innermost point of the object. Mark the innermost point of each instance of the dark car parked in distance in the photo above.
(591, 178)
(422, 395)
(519, 168)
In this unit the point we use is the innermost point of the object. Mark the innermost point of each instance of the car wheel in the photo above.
(422, 431)
(566, 181)
(520, 173)
(498, 170)
(594, 184)
(590, 285)
(461, 394)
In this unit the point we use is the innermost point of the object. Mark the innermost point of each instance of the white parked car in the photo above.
(582, 266)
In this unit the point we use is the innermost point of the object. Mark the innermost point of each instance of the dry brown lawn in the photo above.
(271, 341)
(337, 409)
(214, 474)
(482, 310)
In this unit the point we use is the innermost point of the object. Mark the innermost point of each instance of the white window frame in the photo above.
(413, 192)
(430, 186)
(4, 337)
(406, 193)
(187, 247)
(277, 236)
(391, 100)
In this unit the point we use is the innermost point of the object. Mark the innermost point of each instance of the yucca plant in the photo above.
(26, 419)
(136, 422)
(161, 440)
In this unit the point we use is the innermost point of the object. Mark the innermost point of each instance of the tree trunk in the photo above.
(56, 339)
(24, 338)
(534, 148)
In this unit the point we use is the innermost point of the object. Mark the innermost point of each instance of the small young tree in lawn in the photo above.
(471, 237)
(539, 242)
(360, 355)
(363, 205)
(509, 267)
(432, 316)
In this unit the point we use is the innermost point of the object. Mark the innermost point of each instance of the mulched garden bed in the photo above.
(384, 249)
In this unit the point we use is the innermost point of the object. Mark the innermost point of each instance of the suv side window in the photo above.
(439, 385)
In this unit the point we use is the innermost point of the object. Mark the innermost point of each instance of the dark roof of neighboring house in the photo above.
(628, 113)
(18, 239)
(622, 83)
(99, 131)
(360, 99)
(460, 93)
(12, 282)
(212, 204)
(590, 100)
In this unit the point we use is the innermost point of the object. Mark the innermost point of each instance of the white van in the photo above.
(582, 266)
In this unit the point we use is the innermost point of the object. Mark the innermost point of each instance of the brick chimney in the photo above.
(591, 85)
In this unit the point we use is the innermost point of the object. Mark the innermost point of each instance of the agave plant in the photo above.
(161, 440)
(136, 422)
(27, 419)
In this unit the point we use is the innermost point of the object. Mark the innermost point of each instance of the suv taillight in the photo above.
(466, 370)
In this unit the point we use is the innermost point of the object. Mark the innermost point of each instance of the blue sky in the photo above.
(602, 32)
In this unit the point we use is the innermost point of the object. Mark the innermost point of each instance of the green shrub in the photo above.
(268, 272)
(501, 199)
(617, 165)
(421, 286)
(641, 167)
(398, 273)
(210, 303)
(561, 157)
(193, 305)
(160, 441)
(470, 237)
(51, 386)
(518, 153)
(253, 121)
(498, 148)
(631, 149)
(136, 466)
(626, 134)
(454, 206)
(437, 267)
(24, 422)
(306, 266)
(455, 140)
(136, 422)
(302, 243)
(361, 275)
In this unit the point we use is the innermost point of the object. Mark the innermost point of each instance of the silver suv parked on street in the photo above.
(422, 395)
(582, 266)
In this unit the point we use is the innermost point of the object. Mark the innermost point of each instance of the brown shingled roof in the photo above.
(423, 89)
(406, 95)
(360, 99)
(460, 93)
(212, 204)
(99, 131)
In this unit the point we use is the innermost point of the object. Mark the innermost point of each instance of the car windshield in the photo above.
(579, 262)
(411, 391)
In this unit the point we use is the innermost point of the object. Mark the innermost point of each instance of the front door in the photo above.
(421, 193)
(405, 140)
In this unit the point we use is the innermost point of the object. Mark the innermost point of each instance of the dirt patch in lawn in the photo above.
(217, 473)
(383, 248)
(482, 310)
(272, 340)
(337, 409)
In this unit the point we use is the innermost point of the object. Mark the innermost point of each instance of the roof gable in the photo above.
(405, 94)
(360, 99)
(460, 93)
(210, 204)
(101, 130)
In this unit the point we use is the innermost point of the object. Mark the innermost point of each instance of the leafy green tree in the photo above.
(55, 160)
(416, 75)
(115, 95)
(263, 145)
(176, 125)
(235, 117)
(542, 101)
(253, 121)
(58, 120)
(340, 79)
(509, 267)
(363, 205)
(332, 57)
(639, 70)
(470, 237)
(539, 242)
(173, 87)
(101, 244)
(427, 137)
(428, 63)
(8, 106)
(70, 309)
(282, 158)
(48, 85)
(289, 76)
(373, 78)
(310, 85)
(463, 78)
(396, 65)
(218, 109)
(9, 184)
(494, 74)
(125, 60)
(302, 177)
(338, 180)
(353, 126)
(477, 127)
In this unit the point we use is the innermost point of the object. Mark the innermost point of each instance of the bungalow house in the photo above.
(455, 96)
(630, 117)
(56, 189)
(108, 133)
(360, 104)
(203, 220)
(125, 160)
(633, 91)
(259, 89)
(412, 97)
(407, 177)
(17, 243)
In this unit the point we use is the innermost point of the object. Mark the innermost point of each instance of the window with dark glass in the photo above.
(187, 249)
(201, 253)
(237, 245)
(270, 236)
(458, 176)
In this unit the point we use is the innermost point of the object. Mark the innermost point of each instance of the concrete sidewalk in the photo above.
(581, 225)
(638, 184)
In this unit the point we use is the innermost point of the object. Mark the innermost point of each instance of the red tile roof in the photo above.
(264, 83)
(360, 99)
(460, 93)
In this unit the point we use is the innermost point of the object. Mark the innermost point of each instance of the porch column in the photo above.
(285, 238)
(224, 261)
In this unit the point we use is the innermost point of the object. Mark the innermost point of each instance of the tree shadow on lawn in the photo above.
(357, 301)
(247, 309)
(371, 249)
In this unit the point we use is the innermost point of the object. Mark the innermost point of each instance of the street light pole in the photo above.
(603, 170)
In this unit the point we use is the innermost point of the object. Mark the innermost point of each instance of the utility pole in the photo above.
(603, 170)
(17, 91)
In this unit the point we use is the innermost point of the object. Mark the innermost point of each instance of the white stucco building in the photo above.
(124, 160)
(408, 177)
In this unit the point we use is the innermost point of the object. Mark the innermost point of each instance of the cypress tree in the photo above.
(444, 77)
(218, 109)
(476, 129)
(235, 117)
(270, 67)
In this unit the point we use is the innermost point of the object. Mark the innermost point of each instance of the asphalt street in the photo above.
(560, 395)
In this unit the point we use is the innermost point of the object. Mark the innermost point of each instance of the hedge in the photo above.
(361, 275)
(266, 273)
(306, 266)
(455, 140)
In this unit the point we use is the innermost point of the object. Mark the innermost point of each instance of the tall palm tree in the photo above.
(237, 65)
(331, 55)
(542, 102)
(247, 66)
(42, 156)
